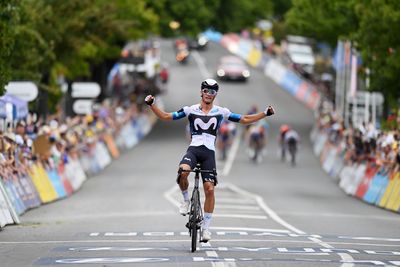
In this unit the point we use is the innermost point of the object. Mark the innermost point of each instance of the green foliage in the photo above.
(322, 20)
(379, 41)
(193, 16)
(46, 38)
(280, 7)
(9, 18)
(197, 15)
(235, 15)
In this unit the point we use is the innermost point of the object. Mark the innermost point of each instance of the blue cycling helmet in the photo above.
(210, 84)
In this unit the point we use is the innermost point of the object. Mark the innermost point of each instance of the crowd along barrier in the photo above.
(41, 184)
(374, 184)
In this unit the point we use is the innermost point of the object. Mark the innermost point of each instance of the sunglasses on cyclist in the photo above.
(209, 91)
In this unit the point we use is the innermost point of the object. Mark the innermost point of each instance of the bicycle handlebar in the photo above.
(196, 169)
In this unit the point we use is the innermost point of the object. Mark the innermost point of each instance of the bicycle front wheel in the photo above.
(194, 212)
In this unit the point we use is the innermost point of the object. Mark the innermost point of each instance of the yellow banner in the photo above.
(254, 57)
(394, 198)
(46, 191)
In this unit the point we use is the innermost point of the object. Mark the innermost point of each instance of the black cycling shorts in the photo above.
(204, 156)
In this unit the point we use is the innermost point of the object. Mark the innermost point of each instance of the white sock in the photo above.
(207, 220)
(185, 195)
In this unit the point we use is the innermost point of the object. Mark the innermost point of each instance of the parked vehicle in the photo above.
(299, 55)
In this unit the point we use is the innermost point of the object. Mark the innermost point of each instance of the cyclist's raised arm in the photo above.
(161, 114)
(246, 119)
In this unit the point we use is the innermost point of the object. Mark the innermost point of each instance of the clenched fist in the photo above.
(269, 111)
(149, 100)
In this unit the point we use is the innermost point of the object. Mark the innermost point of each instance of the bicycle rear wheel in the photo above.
(194, 213)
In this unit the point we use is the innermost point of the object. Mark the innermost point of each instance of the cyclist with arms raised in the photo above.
(204, 120)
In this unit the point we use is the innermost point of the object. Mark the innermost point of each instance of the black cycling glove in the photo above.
(149, 100)
(269, 111)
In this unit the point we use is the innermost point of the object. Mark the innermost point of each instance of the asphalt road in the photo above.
(267, 214)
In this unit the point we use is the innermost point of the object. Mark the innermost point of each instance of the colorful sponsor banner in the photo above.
(14, 194)
(75, 173)
(129, 136)
(377, 188)
(366, 181)
(346, 178)
(392, 190)
(5, 215)
(9, 213)
(330, 159)
(275, 71)
(30, 198)
(393, 202)
(291, 82)
(102, 156)
(58, 185)
(66, 182)
(112, 147)
(254, 57)
(46, 191)
(244, 48)
(371, 183)
(359, 174)
(213, 35)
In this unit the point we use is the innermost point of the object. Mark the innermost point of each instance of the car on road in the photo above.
(232, 68)
(200, 42)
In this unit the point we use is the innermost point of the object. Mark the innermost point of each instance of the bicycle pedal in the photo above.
(203, 241)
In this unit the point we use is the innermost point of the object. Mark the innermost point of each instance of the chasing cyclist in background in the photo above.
(282, 131)
(257, 140)
(204, 119)
(291, 141)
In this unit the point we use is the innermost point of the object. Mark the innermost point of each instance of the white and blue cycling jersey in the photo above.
(204, 127)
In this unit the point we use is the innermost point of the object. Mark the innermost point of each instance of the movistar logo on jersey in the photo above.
(205, 126)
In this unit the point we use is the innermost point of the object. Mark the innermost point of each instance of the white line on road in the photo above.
(236, 200)
(267, 210)
(232, 153)
(243, 241)
(241, 216)
(250, 229)
(275, 217)
(202, 66)
(236, 207)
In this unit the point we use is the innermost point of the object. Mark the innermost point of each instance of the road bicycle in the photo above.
(196, 211)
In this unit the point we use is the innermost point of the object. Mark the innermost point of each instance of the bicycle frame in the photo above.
(196, 211)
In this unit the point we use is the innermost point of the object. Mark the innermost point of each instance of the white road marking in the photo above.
(232, 153)
(241, 216)
(279, 220)
(264, 206)
(168, 195)
(202, 66)
(213, 254)
(237, 207)
(236, 200)
(156, 241)
(342, 215)
(250, 229)
(371, 238)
